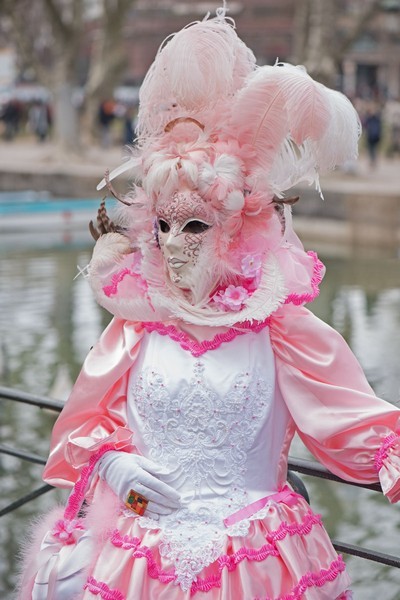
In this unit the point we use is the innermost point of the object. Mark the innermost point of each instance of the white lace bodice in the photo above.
(217, 425)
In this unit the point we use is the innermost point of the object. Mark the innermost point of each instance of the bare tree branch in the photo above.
(61, 28)
(359, 26)
(316, 44)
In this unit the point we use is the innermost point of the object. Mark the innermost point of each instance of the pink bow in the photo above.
(286, 495)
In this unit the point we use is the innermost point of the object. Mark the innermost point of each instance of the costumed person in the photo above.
(177, 432)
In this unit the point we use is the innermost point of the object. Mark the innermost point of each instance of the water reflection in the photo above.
(49, 320)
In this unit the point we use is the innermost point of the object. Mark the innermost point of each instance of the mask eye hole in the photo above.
(196, 226)
(163, 226)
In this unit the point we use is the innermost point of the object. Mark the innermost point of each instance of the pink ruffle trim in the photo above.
(303, 528)
(99, 588)
(307, 581)
(316, 279)
(310, 580)
(127, 543)
(228, 561)
(199, 348)
(382, 452)
(76, 498)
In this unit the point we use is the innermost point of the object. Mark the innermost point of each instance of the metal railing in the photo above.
(297, 465)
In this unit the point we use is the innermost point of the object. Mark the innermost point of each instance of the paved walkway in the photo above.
(29, 156)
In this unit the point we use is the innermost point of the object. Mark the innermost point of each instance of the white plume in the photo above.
(199, 65)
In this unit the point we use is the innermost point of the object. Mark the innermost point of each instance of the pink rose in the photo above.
(232, 298)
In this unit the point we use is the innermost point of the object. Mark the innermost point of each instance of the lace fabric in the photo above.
(202, 433)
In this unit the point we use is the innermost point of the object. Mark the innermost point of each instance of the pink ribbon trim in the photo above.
(383, 451)
(286, 496)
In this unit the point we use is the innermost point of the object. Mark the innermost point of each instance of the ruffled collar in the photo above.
(199, 347)
(127, 295)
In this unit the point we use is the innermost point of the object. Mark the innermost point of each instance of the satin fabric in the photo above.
(96, 409)
(332, 407)
(269, 577)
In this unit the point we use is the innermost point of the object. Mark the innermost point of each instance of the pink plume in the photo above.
(265, 126)
(201, 64)
(307, 104)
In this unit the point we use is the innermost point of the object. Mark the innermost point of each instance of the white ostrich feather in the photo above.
(133, 163)
(340, 140)
(320, 128)
(234, 201)
(307, 104)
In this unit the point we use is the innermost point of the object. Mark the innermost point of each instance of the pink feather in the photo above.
(265, 126)
(200, 65)
(306, 100)
(285, 102)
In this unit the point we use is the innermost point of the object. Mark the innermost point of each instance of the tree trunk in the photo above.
(316, 45)
(314, 38)
(66, 118)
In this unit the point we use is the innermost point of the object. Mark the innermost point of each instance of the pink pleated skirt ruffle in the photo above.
(285, 556)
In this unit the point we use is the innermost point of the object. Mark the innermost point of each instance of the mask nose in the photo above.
(172, 241)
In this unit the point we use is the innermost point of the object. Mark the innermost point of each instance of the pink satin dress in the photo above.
(220, 416)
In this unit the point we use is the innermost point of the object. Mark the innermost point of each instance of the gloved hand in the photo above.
(123, 472)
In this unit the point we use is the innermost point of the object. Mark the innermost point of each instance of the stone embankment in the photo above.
(361, 209)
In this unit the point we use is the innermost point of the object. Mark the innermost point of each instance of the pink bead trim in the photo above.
(382, 452)
(228, 561)
(102, 589)
(199, 348)
(315, 281)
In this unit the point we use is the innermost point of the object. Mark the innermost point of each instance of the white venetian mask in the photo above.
(184, 223)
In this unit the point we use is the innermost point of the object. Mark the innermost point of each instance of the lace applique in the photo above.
(203, 438)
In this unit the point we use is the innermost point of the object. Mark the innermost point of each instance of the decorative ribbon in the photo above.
(286, 496)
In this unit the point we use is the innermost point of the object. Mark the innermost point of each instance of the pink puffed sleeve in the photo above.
(336, 413)
(95, 413)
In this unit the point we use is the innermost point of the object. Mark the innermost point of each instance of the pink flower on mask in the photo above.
(232, 298)
(251, 266)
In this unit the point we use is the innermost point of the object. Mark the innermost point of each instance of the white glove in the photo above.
(123, 472)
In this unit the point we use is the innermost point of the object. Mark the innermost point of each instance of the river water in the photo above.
(49, 321)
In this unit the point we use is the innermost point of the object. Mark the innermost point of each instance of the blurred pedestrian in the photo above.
(392, 121)
(106, 116)
(40, 120)
(373, 131)
(130, 121)
(11, 117)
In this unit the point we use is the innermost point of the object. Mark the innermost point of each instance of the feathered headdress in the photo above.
(240, 135)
